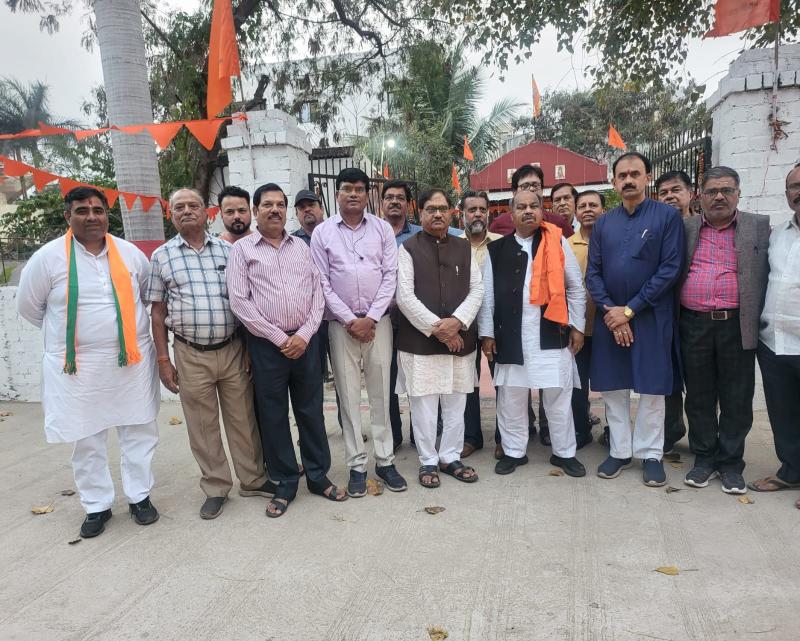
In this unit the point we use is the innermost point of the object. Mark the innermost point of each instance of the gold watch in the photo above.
(628, 313)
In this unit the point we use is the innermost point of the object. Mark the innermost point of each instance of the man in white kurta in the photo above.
(530, 351)
(80, 408)
(439, 292)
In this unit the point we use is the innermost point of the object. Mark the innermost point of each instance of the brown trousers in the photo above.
(208, 380)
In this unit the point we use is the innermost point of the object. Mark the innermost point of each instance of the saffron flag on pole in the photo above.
(614, 139)
(731, 16)
(223, 58)
(468, 155)
(537, 98)
(386, 170)
(454, 179)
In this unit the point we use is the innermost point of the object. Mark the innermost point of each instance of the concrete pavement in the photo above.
(527, 556)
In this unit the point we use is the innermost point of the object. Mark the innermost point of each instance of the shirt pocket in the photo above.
(645, 247)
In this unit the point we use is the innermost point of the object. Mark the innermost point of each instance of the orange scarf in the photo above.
(547, 276)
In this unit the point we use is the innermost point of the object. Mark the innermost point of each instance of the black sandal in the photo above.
(320, 488)
(279, 507)
(457, 470)
(431, 472)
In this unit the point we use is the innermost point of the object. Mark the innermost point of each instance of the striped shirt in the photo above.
(192, 284)
(275, 291)
(712, 282)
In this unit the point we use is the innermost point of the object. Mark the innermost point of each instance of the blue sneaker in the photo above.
(357, 485)
(612, 467)
(653, 474)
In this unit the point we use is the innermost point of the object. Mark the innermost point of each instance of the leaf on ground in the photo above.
(374, 488)
(6, 413)
(671, 570)
(434, 509)
(437, 634)
(175, 421)
(42, 509)
(67, 492)
(676, 465)
(669, 489)
(746, 500)
(338, 517)
(74, 541)
(556, 472)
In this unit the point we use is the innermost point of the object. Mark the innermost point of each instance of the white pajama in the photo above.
(424, 410)
(93, 477)
(512, 419)
(648, 431)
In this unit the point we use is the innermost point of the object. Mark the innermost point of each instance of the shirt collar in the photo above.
(486, 240)
(705, 223)
(86, 251)
(287, 238)
(792, 222)
(180, 240)
(337, 218)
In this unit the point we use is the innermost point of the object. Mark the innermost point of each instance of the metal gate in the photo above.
(689, 151)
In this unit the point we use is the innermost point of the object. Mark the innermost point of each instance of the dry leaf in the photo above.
(67, 492)
(175, 421)
(42, 509)
(436, 633)
(435, 509)
(746, 500)
(6, 413)
(374, 488)
(676, 465)
(669, 489)
(671, 570)
(556, 472)
(74, 541)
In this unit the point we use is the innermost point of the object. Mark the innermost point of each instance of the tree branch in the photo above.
(163, 36)
(367, 34)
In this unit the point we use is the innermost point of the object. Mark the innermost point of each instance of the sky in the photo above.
(71, 71)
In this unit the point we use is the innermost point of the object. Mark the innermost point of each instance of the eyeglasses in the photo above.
(725, 191)
(530, 186)
(398, 198)
(360, 191)
(432, 210)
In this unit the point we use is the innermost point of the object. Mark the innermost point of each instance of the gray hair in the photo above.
(720, 172)
(512, 201)
(189, 189)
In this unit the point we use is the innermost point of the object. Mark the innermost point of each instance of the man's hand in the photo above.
(362, 329)
(294, 348)
(575, 341)
(488, 347)
(446, 329)
(615, 316)
(623, 335)
(455, 344)
(168, 375)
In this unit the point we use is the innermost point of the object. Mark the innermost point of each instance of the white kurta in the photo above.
(101, 394)
(419, 375)
(541, 368)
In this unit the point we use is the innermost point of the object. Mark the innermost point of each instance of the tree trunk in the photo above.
(122, 51)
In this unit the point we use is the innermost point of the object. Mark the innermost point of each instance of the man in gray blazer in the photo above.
(722, 293)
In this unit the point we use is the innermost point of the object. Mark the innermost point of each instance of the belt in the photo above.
(206, 348)
(717, 314)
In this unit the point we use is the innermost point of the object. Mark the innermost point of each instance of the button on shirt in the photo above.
(275, 290)
(780, 320)
(192, 284)
(712, 281)
(358, 267)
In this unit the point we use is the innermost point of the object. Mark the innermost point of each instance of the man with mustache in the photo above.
(531, 323)
(234, 207)
(779, 345)
(308, 209)
(723, 286)
(635, 258)
(564, 197)
(190, 299)
(475, 207)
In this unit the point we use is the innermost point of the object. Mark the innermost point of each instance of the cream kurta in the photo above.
(419, 375)
(541, 368)
(101, 394)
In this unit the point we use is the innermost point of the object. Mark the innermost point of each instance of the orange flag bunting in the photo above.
(130, 199)
(111, 195)
(67, 184)
(537, 98)
(12, 168)
(212, 213)
(454, 179)
(42, 178)
(88, 133)
(147, 202)
(47, 130)
(223, 58)
(468, 155)
(164, 133)
(205, 131)
(614, 139)
(731, 16)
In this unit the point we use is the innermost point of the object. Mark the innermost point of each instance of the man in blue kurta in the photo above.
(635, 257)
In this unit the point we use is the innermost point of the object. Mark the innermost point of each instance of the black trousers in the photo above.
(717, 372)
(580, 397)
(781, 377)
(674, 427)
(394, 401)
(275, 378)
(472, 411)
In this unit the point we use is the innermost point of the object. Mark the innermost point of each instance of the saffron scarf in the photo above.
(547, 276)
(123, 302)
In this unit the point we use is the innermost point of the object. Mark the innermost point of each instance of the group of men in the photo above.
(644, 298)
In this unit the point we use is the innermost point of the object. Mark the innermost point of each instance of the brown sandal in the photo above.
(772, 484)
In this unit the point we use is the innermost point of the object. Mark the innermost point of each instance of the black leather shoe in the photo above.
(94, 524)
(508, 464)
(571, 466)
(143, 512)
(212, 507)
(582, 440)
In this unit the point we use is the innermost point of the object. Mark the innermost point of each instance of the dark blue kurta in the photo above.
(635, 260)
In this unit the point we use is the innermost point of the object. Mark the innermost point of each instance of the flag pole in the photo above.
(247, 128)
(775, 70)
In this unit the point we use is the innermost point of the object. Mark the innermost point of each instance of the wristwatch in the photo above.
(628, 312)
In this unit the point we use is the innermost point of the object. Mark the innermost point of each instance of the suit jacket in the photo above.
(752, 243)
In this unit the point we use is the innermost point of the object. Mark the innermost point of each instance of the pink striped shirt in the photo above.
(275, 291)
(712, 282)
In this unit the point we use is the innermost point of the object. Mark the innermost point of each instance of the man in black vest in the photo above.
(439, 292)
(531, 322)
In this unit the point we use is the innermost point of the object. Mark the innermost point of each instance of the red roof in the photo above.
(577, 169)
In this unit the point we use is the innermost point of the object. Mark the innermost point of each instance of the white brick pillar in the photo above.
(742, 137)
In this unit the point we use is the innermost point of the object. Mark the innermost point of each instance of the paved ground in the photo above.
(529, 556)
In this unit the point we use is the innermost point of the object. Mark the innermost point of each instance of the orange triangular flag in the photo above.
(47, 130)
(731, 16)
(468, 155)
(614, 139)
(164, 133)
(130, 129)
(454, 179)
(537, 98)
(205, 131)
(147, 202)
(88, 133)
(67, 184)
(42, 178)
(386, 170)
(13, 168)
(212, 213)
(130, 199)
(223, 58)
(111, 196)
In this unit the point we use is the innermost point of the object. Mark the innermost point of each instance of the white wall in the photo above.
(20, 352)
